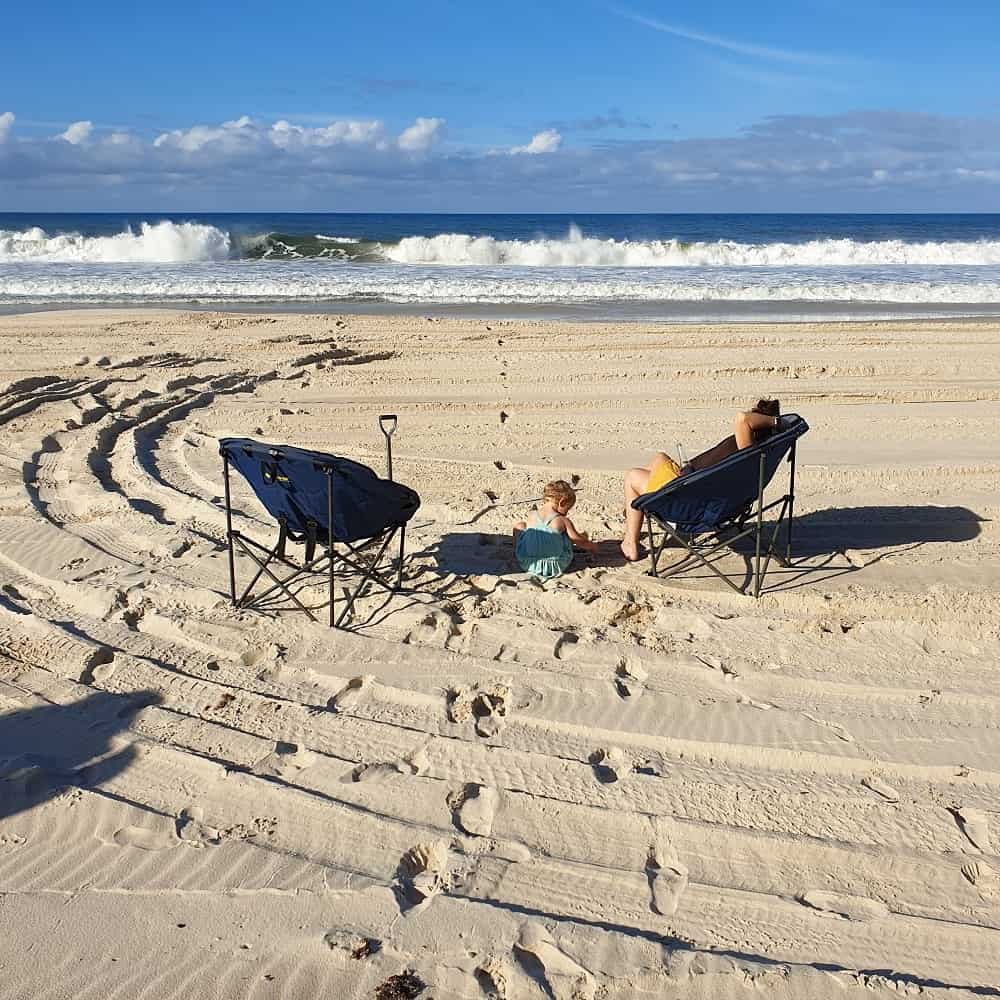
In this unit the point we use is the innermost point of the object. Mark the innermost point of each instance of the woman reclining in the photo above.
(750, 427)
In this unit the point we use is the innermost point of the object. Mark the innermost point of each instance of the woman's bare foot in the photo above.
(630, 551)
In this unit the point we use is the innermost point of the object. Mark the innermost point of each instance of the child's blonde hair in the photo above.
(559, 491)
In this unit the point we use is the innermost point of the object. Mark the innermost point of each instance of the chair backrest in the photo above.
(703, 500)
(297, 484)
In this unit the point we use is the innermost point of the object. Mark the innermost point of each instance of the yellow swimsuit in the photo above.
(662, 475)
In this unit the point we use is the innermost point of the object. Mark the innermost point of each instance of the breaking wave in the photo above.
(577, 250)
(191, 242)
(154, 243)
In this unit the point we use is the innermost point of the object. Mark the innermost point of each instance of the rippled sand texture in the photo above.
(604, 787)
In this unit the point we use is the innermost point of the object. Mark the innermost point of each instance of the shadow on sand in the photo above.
(818, 537)
(49, 748)
(842, 540)
(470, 553)
(839, 529)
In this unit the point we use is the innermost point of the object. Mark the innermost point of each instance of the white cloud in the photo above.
(77, 132)
(349, 132)
(543, 142)
(230, 135)
(784, 163)
(244, 136)
(420, 136)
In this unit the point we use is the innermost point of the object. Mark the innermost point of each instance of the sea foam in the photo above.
(159, 242)
(577, 250)
(304, 281)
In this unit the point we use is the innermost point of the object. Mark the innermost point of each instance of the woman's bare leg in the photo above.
(636, 481)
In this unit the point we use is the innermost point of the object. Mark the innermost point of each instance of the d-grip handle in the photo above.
(387, 423)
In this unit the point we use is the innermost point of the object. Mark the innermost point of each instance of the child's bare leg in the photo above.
(518, 528)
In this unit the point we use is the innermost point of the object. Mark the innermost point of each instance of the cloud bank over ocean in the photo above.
(880, 159)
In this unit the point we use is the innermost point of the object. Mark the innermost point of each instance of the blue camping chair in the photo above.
(710, 509)
(344, 514)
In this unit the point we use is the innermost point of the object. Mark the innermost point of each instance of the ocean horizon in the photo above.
(602, 266)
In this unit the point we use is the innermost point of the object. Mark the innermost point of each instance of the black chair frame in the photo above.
(701, 547)
(322, 556)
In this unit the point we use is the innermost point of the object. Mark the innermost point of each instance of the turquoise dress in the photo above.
(542, 550)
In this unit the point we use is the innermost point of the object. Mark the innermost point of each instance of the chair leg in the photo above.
(760, 527)
(791, 505)
(229, 530)
(362, 586)
(654, 555)
(279, 584)
(399, 569)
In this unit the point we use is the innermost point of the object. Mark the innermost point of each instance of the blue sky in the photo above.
(814, 105)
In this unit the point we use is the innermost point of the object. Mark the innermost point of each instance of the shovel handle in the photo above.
(389, 419)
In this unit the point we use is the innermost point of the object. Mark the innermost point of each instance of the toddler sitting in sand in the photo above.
(544, 544)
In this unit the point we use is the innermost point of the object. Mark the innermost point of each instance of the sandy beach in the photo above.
(674, 790)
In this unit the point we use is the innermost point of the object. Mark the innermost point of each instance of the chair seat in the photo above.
(292, 483)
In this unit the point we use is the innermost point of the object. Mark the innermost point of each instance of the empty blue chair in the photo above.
(344, 514)
(710, 509)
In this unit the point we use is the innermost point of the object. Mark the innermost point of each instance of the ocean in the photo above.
(669, 267)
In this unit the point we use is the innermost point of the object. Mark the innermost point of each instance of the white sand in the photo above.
(198, 802)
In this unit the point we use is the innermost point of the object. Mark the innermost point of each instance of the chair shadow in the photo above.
(820, 536)
(47, 749)
(838, 529)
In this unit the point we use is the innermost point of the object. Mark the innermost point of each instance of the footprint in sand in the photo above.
(192, 830)
(370, 772)
(849, 907)
(492, 978)
(415, 762)
(488, 705)
(423, 871)
(145, 839)
(286, 758)
(667, 874)
(879, 787)
(984, 878)
(975, 824)
(610, 764)
(565, 645)
(474, 809)
(434, 629)
(630, 679)
(566, 979)
(356, 690)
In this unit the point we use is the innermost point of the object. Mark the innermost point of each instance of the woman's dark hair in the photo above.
(768, 407)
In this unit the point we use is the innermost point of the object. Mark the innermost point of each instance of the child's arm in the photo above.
(577, 537)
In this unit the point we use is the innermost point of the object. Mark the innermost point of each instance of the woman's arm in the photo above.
(748, 423)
